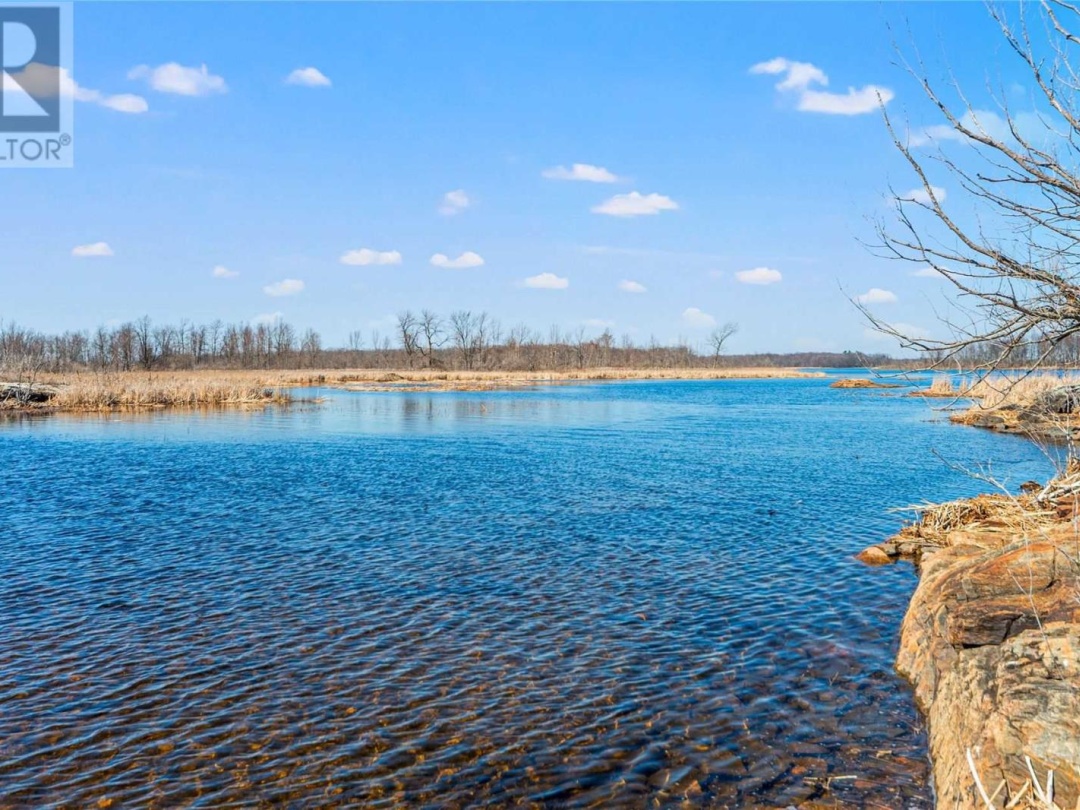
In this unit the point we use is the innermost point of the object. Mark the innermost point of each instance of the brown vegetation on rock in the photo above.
(1040, 406)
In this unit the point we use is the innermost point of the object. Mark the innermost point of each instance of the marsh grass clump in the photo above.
(981, 510)
(133, 391)
(1021, 392)
(1042, 406)
(943, 387)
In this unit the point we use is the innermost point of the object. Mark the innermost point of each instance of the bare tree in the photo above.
(409, 334)
(144, 342)
(282, 344)
(101, 349)
(198, 344)
(605, 343)
(477, 340)
(164, 341)
(311, 347)
(463, 333)
(718, 337)
(431, 330)
(213, 336)
(487, 333)
(1015, 266)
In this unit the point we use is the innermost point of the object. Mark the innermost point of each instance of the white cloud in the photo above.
(288, 286)
(221, 271)
(41, 79)
(922, 196)
(581, 171)
(465, 260)
(92, 249)
(631, 286)
(855, 102)
(308, 77)
(598, 323)
(799, 78)
(366, 256)
(635, 204)
(692, 316)
(179, 79)
(760, 275)
(547, 281)
(454, 202)
(927, 272)
(797, 75)
(876, 295)
(122, 102)
(268, 318)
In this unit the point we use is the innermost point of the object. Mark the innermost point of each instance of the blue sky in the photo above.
(181, 169)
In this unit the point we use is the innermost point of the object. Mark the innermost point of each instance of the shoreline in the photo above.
(990, 641)
(89, 392)
(434, 380)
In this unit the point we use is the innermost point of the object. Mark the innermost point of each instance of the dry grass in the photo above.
(103, 392)
(1017, 405)
(435, 380)
(1017, 391)
(993, 519)
(994, 515)
(947, 387)
(997, 392)
(1034, 794)
(942, 387)
(209, 388)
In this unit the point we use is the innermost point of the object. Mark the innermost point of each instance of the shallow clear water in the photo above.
(628, 595)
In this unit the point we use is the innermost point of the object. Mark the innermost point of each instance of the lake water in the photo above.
(619, 595)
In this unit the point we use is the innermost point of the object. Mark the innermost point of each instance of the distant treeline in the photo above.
(461, 341)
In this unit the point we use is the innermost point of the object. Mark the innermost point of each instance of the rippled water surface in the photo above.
(623, 595)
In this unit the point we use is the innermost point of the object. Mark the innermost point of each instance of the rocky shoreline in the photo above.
(991, 644)
(1051, 415)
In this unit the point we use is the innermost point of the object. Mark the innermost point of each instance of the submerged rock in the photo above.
(876, 555)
